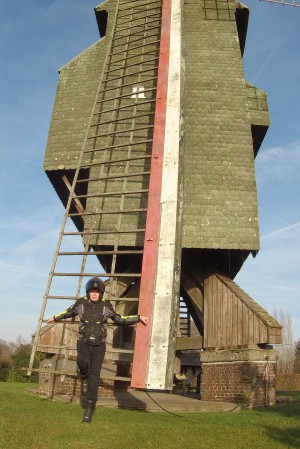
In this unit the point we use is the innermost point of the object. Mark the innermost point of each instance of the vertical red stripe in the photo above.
(142, 339)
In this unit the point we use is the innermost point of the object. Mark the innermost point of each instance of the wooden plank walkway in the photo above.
(159, 402)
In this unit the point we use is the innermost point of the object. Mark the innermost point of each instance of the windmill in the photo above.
(151, 149)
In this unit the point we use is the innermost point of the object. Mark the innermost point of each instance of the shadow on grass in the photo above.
(289, 437)
(288, 409)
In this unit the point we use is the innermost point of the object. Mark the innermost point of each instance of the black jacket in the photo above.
(93, 316)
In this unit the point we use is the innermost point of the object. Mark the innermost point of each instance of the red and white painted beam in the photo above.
(155, 343)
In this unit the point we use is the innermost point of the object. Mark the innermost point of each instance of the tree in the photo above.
(14, 357)
(297, 357)
(286, 350)
(20, 360)
(5, 360)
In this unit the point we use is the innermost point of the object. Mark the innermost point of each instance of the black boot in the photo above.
(89, 411)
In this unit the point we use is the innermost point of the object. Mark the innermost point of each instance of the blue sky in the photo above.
(37, 38)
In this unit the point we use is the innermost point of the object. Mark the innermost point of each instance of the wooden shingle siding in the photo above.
(76, 91)
(220, 202)
(233, 319)
(223, 117)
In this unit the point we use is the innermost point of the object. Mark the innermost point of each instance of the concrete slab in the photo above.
(159, 402)
(154, 401)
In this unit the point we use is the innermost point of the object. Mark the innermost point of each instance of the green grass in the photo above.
(29, 422)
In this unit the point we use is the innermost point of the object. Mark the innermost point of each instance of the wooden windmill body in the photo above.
(151, 149)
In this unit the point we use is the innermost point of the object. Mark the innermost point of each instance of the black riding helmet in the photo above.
(95, 284)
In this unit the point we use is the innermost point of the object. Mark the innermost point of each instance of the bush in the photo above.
(13, 359)
(4, 371)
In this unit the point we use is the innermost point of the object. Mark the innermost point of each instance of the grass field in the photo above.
(29, 422)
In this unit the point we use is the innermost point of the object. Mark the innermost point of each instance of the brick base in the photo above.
(56, 385)
(69, 385)
(247, 377)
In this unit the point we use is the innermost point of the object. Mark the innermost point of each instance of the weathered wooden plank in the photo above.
(234, 320)
(219, 311)
(263, 333)
(206, 309)
(188, 343)
(256, 328)
(194, 300)
(166, 299)
(239, 323)
(190, 358)
(245, 312)
(250, 327)
(149, 267)
(275, 335)
(155, 346)
(229, 318)
(214, 310)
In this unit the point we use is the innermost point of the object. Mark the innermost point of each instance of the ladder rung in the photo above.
(65, 322)
(86, 253)
(146, 16)
(132, 192)
(112, 350)
(131, 65)
(135, 33)
(103, 275)
(121, 176)
(150, 52)
(108, 212)
(119, 351)
(111, 231)
(139, 6)
(133, 117)
(140, 72)
(136, 48)
(130, 27)
(156, 35)
(129, 95)
(73, 298)
(114, 147)
(73, 373)
(141, 11)
(122, 119)
(153, 78)
(117, 161)
(129, 130)
(56, 346)
(62, 297)
(135, 13)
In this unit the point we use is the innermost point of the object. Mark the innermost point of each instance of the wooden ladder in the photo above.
(115, 155)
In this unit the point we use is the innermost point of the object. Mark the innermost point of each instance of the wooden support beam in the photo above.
(192, 295)
(78, 205)
(184, 343)
(154, 355)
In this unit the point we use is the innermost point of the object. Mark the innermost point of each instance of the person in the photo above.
(93, 311)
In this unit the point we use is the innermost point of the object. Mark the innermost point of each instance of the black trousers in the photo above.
(89, 361)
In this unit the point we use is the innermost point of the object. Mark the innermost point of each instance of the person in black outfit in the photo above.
(93, 313)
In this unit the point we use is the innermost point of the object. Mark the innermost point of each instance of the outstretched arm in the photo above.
(71, 311)
(125, 320)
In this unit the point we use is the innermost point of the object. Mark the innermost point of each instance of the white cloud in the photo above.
(280, 163)
(272, 278)
(281, 231)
